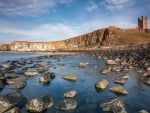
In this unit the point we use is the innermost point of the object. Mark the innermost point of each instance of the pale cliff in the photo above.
(37, 46)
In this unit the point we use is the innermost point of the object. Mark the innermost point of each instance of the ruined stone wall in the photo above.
(143, 23)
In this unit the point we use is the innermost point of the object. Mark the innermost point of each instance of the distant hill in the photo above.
(111, 36)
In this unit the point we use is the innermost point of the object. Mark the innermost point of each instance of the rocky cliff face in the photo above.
(96, 38)
(86, 40)
(93, 39)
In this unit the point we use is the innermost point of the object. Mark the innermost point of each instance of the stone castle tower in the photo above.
(143, 23)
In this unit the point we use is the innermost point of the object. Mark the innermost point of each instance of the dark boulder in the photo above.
(67, 104)
(46, 77)
(40, 104)
(18, 84)
(13, 80)
(14, 110)
(121, 79)
(1, 84)
(2, 77)
(146, 80)
(11, 100)
(114, 106)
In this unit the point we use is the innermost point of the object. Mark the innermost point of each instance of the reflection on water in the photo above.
(87, 97)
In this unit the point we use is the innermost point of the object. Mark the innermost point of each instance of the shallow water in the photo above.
(88, 97)
(4, 56)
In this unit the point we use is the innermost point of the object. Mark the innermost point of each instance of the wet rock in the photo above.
(125, 69)
(1, 84)
(30, 73)
(37, 65)
(117, 60)
(116, 69)
(146, 80)
(67, 104)
(11, 76)
(123, 63)
(146, 74)
(14, 110)
(42, 69)
(2, 77)
(114, 106)
(18, 84)
(40, 104)
(13, 80)
(143, 111)
(130, 67)
(102, 84)
(140, 71)
(105, 71)
(110, 62)
(148, 68)
(99, 57)
(121, 79)
(46, 77)
(11, 100)
(83, 64)
(119, 90)
(71, 77)
(70, 94)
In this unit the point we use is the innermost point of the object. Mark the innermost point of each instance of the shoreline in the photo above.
(103, 48)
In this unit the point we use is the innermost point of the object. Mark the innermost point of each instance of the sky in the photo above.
(51, 20)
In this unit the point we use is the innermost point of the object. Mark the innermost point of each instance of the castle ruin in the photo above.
(143, 23)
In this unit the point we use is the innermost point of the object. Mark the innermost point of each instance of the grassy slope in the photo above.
(132, 37)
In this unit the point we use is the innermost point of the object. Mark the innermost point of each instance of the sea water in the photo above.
(88, 98)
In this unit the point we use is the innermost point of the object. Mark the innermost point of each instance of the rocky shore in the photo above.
(16, 74)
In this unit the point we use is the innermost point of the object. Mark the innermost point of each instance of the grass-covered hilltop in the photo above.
(107, 37)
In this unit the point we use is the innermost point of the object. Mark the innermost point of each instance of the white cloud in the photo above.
(118, 4)
(65, 1)
(29, 7)
(93, 6)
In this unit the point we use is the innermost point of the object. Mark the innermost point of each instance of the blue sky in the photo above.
(49, 20)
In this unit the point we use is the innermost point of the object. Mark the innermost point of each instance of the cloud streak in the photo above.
(118, 4)
(92, 6)
(29, 7)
